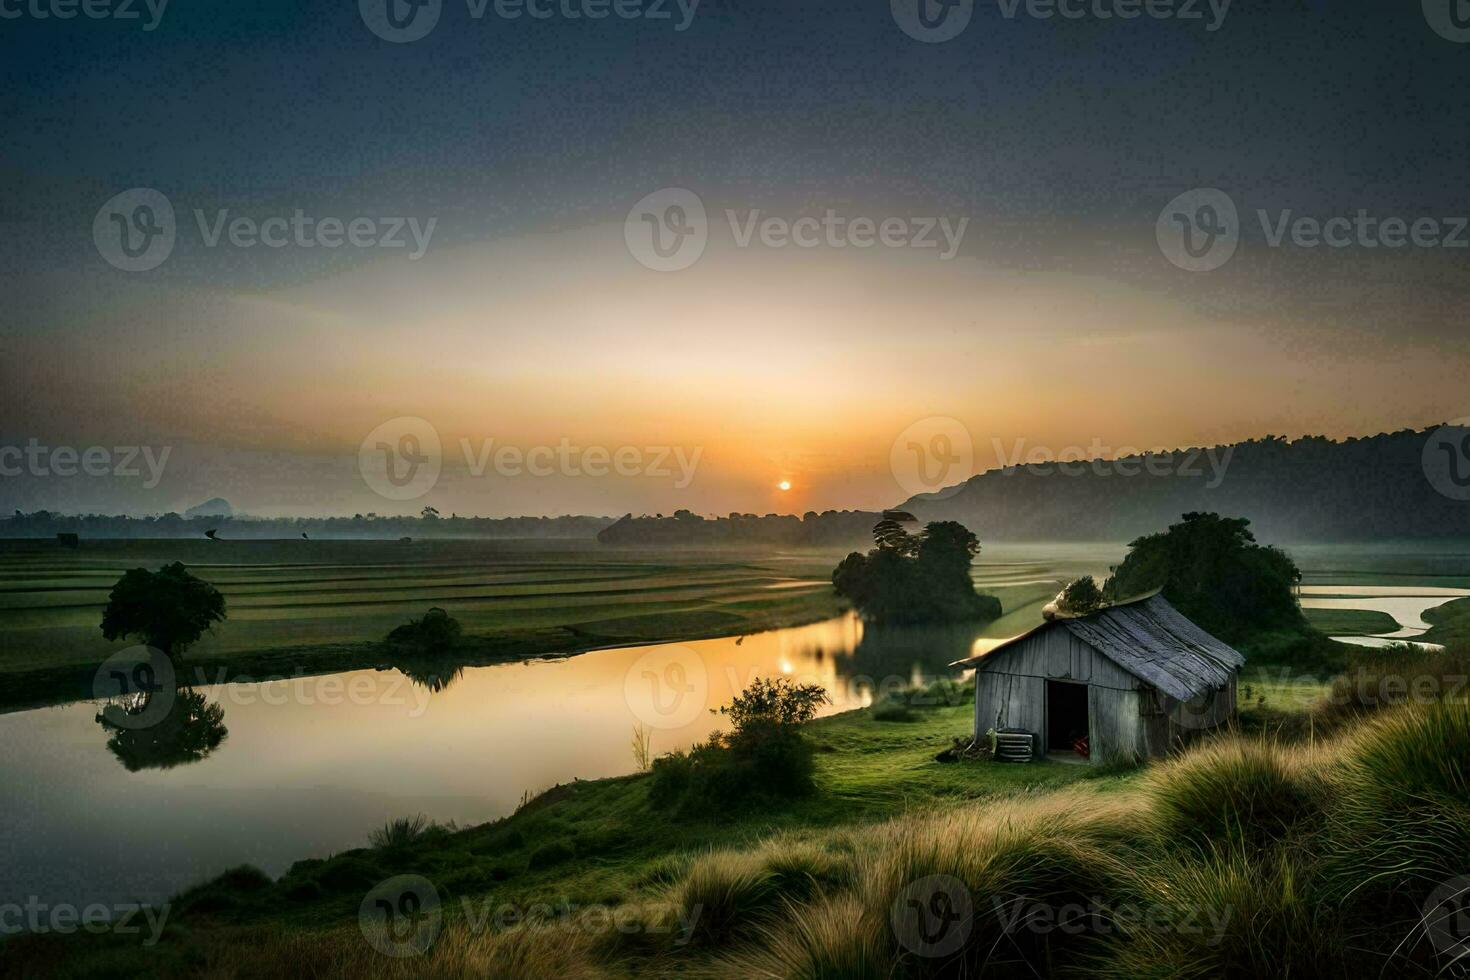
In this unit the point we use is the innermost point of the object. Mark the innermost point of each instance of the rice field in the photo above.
(322, 596)
(296, 594)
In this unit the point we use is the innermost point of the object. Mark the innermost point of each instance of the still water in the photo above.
(1406, 604)
(310, 766)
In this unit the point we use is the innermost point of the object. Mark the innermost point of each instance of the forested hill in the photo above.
(1310, 489)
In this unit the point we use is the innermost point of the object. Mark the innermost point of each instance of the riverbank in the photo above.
(590, 879)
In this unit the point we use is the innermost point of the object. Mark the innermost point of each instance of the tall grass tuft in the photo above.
(1401, 824)
(400, 833)
(1020, 864)
(838, 939)
(1235, 791)
(729, 893)
(1232, 911)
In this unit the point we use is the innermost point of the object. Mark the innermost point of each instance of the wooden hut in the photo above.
(1133, 679)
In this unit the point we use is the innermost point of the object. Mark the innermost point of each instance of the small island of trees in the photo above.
(909, 579)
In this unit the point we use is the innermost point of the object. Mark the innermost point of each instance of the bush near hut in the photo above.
(763, 758)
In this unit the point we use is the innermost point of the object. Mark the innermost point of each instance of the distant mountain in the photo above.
(213, 507)
(1310, 489)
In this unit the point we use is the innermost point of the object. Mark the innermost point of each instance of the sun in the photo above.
(784, 485)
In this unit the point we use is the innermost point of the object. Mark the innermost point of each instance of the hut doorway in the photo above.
(1066, 717)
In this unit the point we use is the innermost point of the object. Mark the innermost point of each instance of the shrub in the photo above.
(350, 873)
(892, 708)
(554, 852)
(765, 758)
(239, 886)
(670, 776)
(1080, 597)
(436, 632)
(1233, 791)
(399, 833)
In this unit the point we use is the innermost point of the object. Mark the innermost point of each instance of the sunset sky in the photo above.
(529, 320)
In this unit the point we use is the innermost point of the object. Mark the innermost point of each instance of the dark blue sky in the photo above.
(1060, 140)
(1322, 105)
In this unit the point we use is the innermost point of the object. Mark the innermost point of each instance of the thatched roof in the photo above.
(1150, 639)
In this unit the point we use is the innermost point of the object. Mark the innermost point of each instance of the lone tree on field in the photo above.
(168, 609)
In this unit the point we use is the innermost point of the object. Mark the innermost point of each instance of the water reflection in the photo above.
(429, 671)
(190, 730)
(310, 765)
(888, 656)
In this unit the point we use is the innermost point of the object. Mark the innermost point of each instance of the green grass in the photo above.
(1352, 622)
(601, 842)
(327, 605)
(1274, 857)
(1449, 623)
(1273, 830)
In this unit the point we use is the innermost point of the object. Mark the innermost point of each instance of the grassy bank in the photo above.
(585, 843)
(1351, 622)
(1449, 623)
(1302, 854)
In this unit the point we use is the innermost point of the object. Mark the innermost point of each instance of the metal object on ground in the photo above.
(1014, 745)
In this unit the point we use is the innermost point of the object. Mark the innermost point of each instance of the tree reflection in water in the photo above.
(889, 657)
(192, 729)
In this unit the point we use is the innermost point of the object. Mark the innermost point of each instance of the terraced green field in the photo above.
(325, 605)
(307, 594)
